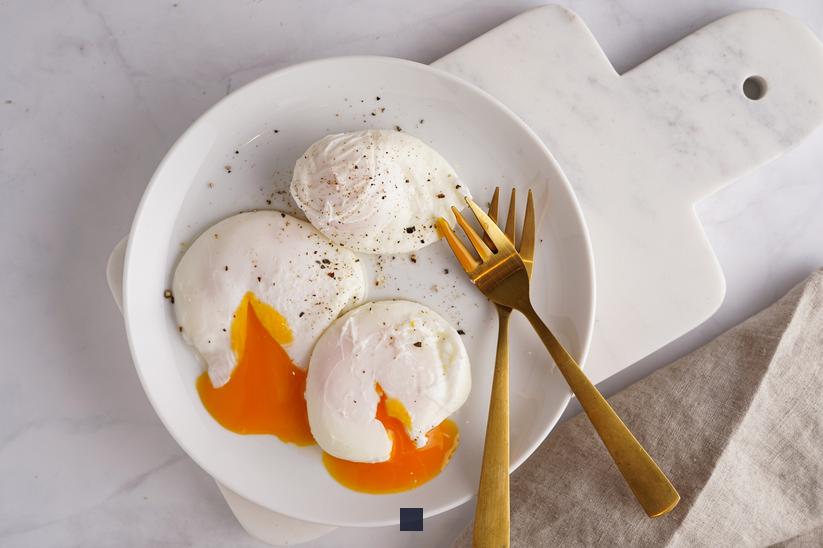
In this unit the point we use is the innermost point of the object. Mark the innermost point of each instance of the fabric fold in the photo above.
(737, 425)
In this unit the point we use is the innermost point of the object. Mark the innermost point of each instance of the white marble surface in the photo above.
(91, 96)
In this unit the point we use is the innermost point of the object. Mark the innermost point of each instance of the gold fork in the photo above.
(501, 275)
(491, 518)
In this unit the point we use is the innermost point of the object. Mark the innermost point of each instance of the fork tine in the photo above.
(527, 235)
(493, 207)
(490, 227)
(464, 256)
(510, 219)
(476, 241)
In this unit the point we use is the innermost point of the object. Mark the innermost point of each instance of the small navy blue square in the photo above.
(411, 519)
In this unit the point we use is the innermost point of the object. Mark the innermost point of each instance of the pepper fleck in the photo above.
(418, 344)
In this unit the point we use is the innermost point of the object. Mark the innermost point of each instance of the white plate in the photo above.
(269, 123)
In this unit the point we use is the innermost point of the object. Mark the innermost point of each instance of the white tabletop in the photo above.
(91, 96)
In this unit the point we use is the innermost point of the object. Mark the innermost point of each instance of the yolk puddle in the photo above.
(265, 392)
(408, 466)
(265, 396)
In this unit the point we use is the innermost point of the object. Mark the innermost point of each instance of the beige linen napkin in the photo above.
(737, 425)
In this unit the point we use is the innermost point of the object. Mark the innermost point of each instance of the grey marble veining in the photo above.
(91, 96)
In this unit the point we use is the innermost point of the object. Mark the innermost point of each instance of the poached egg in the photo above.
(252, 295)
(376, 191)
(398, 355)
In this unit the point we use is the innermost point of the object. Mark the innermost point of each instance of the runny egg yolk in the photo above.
(265, 396)
(265, 392)
(408, 466)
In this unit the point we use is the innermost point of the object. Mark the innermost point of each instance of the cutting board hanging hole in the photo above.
(754, 88)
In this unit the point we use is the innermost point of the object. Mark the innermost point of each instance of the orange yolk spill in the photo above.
(265, 392)
(265, 396)
(408, 466)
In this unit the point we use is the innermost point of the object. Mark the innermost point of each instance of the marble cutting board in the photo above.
(640, 149)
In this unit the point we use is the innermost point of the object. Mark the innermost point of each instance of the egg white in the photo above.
(376, 191)
(284, 261)
(410, 351)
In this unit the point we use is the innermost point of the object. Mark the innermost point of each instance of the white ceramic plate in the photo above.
(259, 131)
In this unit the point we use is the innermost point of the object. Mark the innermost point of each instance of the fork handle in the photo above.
(650, 486)
(491, 518)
